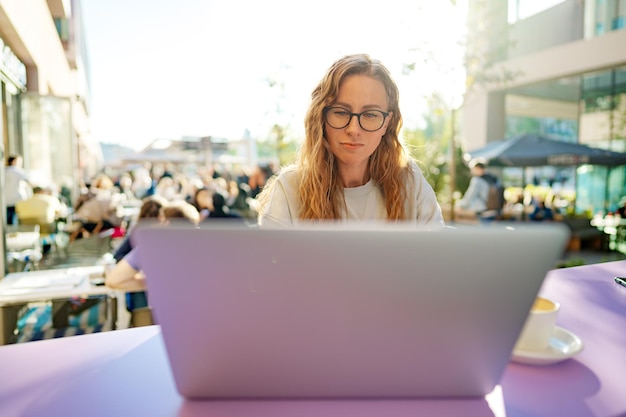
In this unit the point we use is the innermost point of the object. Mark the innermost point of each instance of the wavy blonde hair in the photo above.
(321, 191)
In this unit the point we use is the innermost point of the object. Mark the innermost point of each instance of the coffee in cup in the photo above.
(539, 325)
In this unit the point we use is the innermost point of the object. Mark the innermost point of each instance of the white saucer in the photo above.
(563, 345)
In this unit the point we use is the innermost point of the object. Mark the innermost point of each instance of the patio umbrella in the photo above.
(534, 150)
(530, 150)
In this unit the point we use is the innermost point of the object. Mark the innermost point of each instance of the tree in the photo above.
(285, 149)
(280, 135)
(484, 46)
(432, 146)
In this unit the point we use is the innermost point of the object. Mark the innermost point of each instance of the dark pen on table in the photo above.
(621, 281)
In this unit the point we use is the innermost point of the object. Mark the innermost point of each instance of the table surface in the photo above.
(20, 288)
(11, 292)
(125, 372)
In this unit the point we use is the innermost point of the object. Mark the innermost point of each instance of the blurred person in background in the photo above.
(142, 183)
(151, 208)
(42, 207)
(99, 209)
(125, 186)
(17, 186)
(240, 203)
(258, 178)
(203, 202)
(220, 209)
(127, 273)
(474, 203)
(542, 210)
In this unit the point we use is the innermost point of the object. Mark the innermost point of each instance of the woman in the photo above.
(151, 208)
(127, 273)
(352, 165)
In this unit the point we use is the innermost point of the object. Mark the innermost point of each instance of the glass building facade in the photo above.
(603, 16)
(571, 86)
(603, 125)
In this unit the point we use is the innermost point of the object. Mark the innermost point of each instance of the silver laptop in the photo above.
(337, 312)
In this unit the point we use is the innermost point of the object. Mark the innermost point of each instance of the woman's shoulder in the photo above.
(287, 170)
(413, 165)
(415, 168)
(288, 175)
(285, 181)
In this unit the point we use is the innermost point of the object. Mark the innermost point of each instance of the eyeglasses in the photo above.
(369, 120)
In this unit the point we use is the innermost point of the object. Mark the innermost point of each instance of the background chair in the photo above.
(23, 244)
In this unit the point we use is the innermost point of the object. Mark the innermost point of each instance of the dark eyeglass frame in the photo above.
(358, 117)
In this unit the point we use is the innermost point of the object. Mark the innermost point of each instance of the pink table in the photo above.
(125, 372)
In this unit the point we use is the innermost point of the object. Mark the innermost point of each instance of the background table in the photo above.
(126, 373)
(13, 299)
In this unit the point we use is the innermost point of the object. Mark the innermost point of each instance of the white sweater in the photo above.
(363, 203)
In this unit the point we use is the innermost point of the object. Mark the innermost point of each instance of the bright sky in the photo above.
(167, 69)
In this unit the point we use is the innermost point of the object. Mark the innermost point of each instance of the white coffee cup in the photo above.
(539, 325)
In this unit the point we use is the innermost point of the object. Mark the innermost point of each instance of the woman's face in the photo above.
(352, 145)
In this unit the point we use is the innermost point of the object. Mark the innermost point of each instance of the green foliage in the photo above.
(487, 45)
(430, 146)
(463, 174)
(571, 263)
(285, 149)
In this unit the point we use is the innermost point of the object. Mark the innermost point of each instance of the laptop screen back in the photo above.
(342, 313)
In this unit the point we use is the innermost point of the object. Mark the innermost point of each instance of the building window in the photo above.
(522, 9)
(63, 29)
(606, 16)
(596, 92)
(602, 124)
